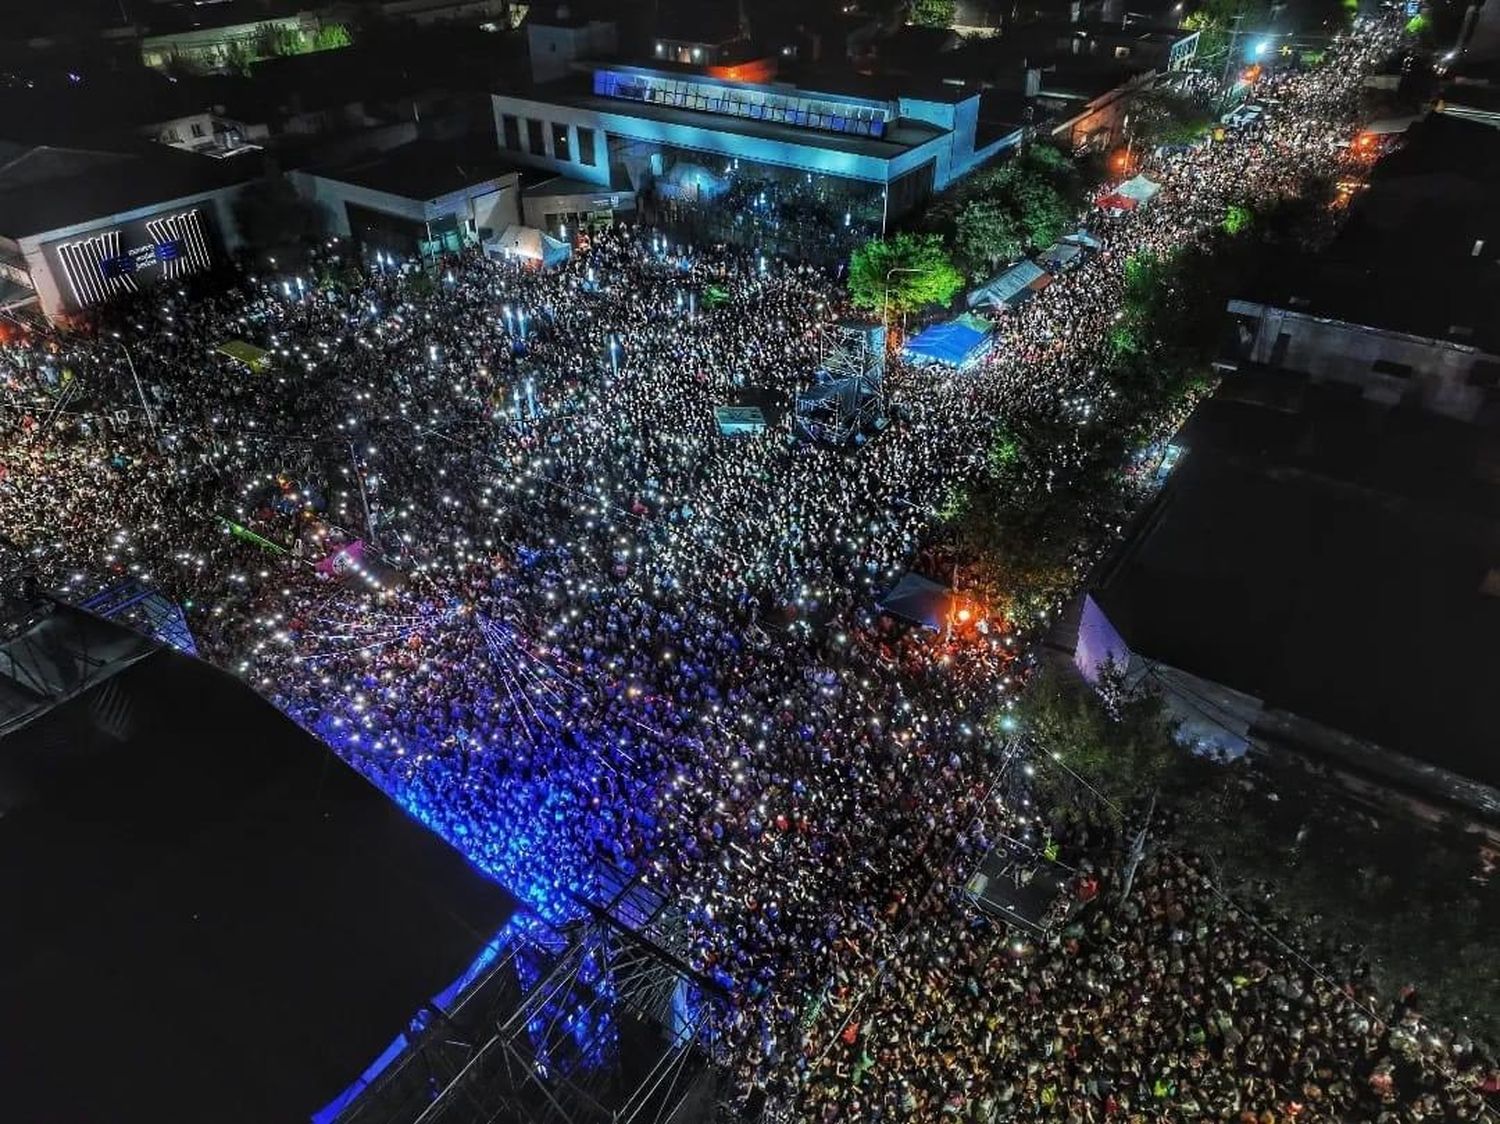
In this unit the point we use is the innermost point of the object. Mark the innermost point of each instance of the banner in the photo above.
(250, 536)
(344, 560)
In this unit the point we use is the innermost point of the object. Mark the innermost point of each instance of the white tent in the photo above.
(1140, 189)
(530, 243)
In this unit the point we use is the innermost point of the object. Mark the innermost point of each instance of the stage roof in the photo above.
(209, 916)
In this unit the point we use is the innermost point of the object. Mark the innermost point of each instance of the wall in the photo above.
(1212, 718)
(1446, 378)
(40, 251)
(538, 205)
(553, 50)
(494, 203)
(526, 109)
(953, 154)
(1099, 642)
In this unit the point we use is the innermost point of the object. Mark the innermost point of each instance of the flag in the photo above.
(343, 560)
(250, 536)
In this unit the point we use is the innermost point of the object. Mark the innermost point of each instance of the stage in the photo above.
(208, 916)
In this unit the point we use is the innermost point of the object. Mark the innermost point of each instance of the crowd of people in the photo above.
(483, 536)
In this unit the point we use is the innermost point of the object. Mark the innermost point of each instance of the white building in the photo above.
(81, 226)
(872, 155)
(420, 200)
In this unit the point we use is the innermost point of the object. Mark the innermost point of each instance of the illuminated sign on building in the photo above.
(100, 267)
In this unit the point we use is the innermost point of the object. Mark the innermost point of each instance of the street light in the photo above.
(139, 389)
(885, 303)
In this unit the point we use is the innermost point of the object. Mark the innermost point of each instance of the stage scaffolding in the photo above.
(599, 1022)
(846, 403)
(51, 652)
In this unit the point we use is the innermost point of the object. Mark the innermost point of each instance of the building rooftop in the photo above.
(1333, 557)
(424, 169)
(45, 188)
(1421, 250)
(208, 915)
(900, 136)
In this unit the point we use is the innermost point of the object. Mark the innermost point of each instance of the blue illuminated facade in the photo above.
(632, 128)
(857, 117)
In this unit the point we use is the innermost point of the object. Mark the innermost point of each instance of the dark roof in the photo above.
(210, 916)
(698, 21)
(1406, 261)
(424, 169)
(1326, 555)
(569, 13)
(105, 103)
(49, 188)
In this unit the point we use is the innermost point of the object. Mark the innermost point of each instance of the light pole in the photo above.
(140, 390)
(885, 303)
(1234, 35)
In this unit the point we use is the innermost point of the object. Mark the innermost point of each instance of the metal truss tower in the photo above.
(602, 1022)
(847, 402)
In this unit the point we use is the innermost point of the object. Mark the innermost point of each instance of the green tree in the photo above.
(902, 273)
(934, 13)
(986, 235)
(1217, 20)
(1116, 743)
(1237, 219)
(276, 40)
(1041, 209)
(330, 37)
(1165, 116)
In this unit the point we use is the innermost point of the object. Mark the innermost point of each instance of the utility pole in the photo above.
(1137, 850)
(139, 389)
(1234, 35)
(885, 303)
(364, 498)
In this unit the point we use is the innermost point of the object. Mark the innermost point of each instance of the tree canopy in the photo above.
(1116, 745)
(1025, 201)
(934, 13)
(902, 273)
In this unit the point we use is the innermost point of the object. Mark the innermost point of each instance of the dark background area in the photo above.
(207, 915)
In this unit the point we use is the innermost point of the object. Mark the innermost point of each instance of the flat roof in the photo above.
(1329, 556)
(901, 136)
(210, 917)
(424, 169)
(1420, 252)
(84, 185)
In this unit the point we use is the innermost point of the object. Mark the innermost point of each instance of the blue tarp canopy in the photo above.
(919, 600)
(1008, 286)
(956, 343)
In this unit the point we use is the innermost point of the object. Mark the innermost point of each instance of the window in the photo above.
(1390, 367)
(560, 142)
(512, 129)
(197, 129)
(586, 146)
(534, 138)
